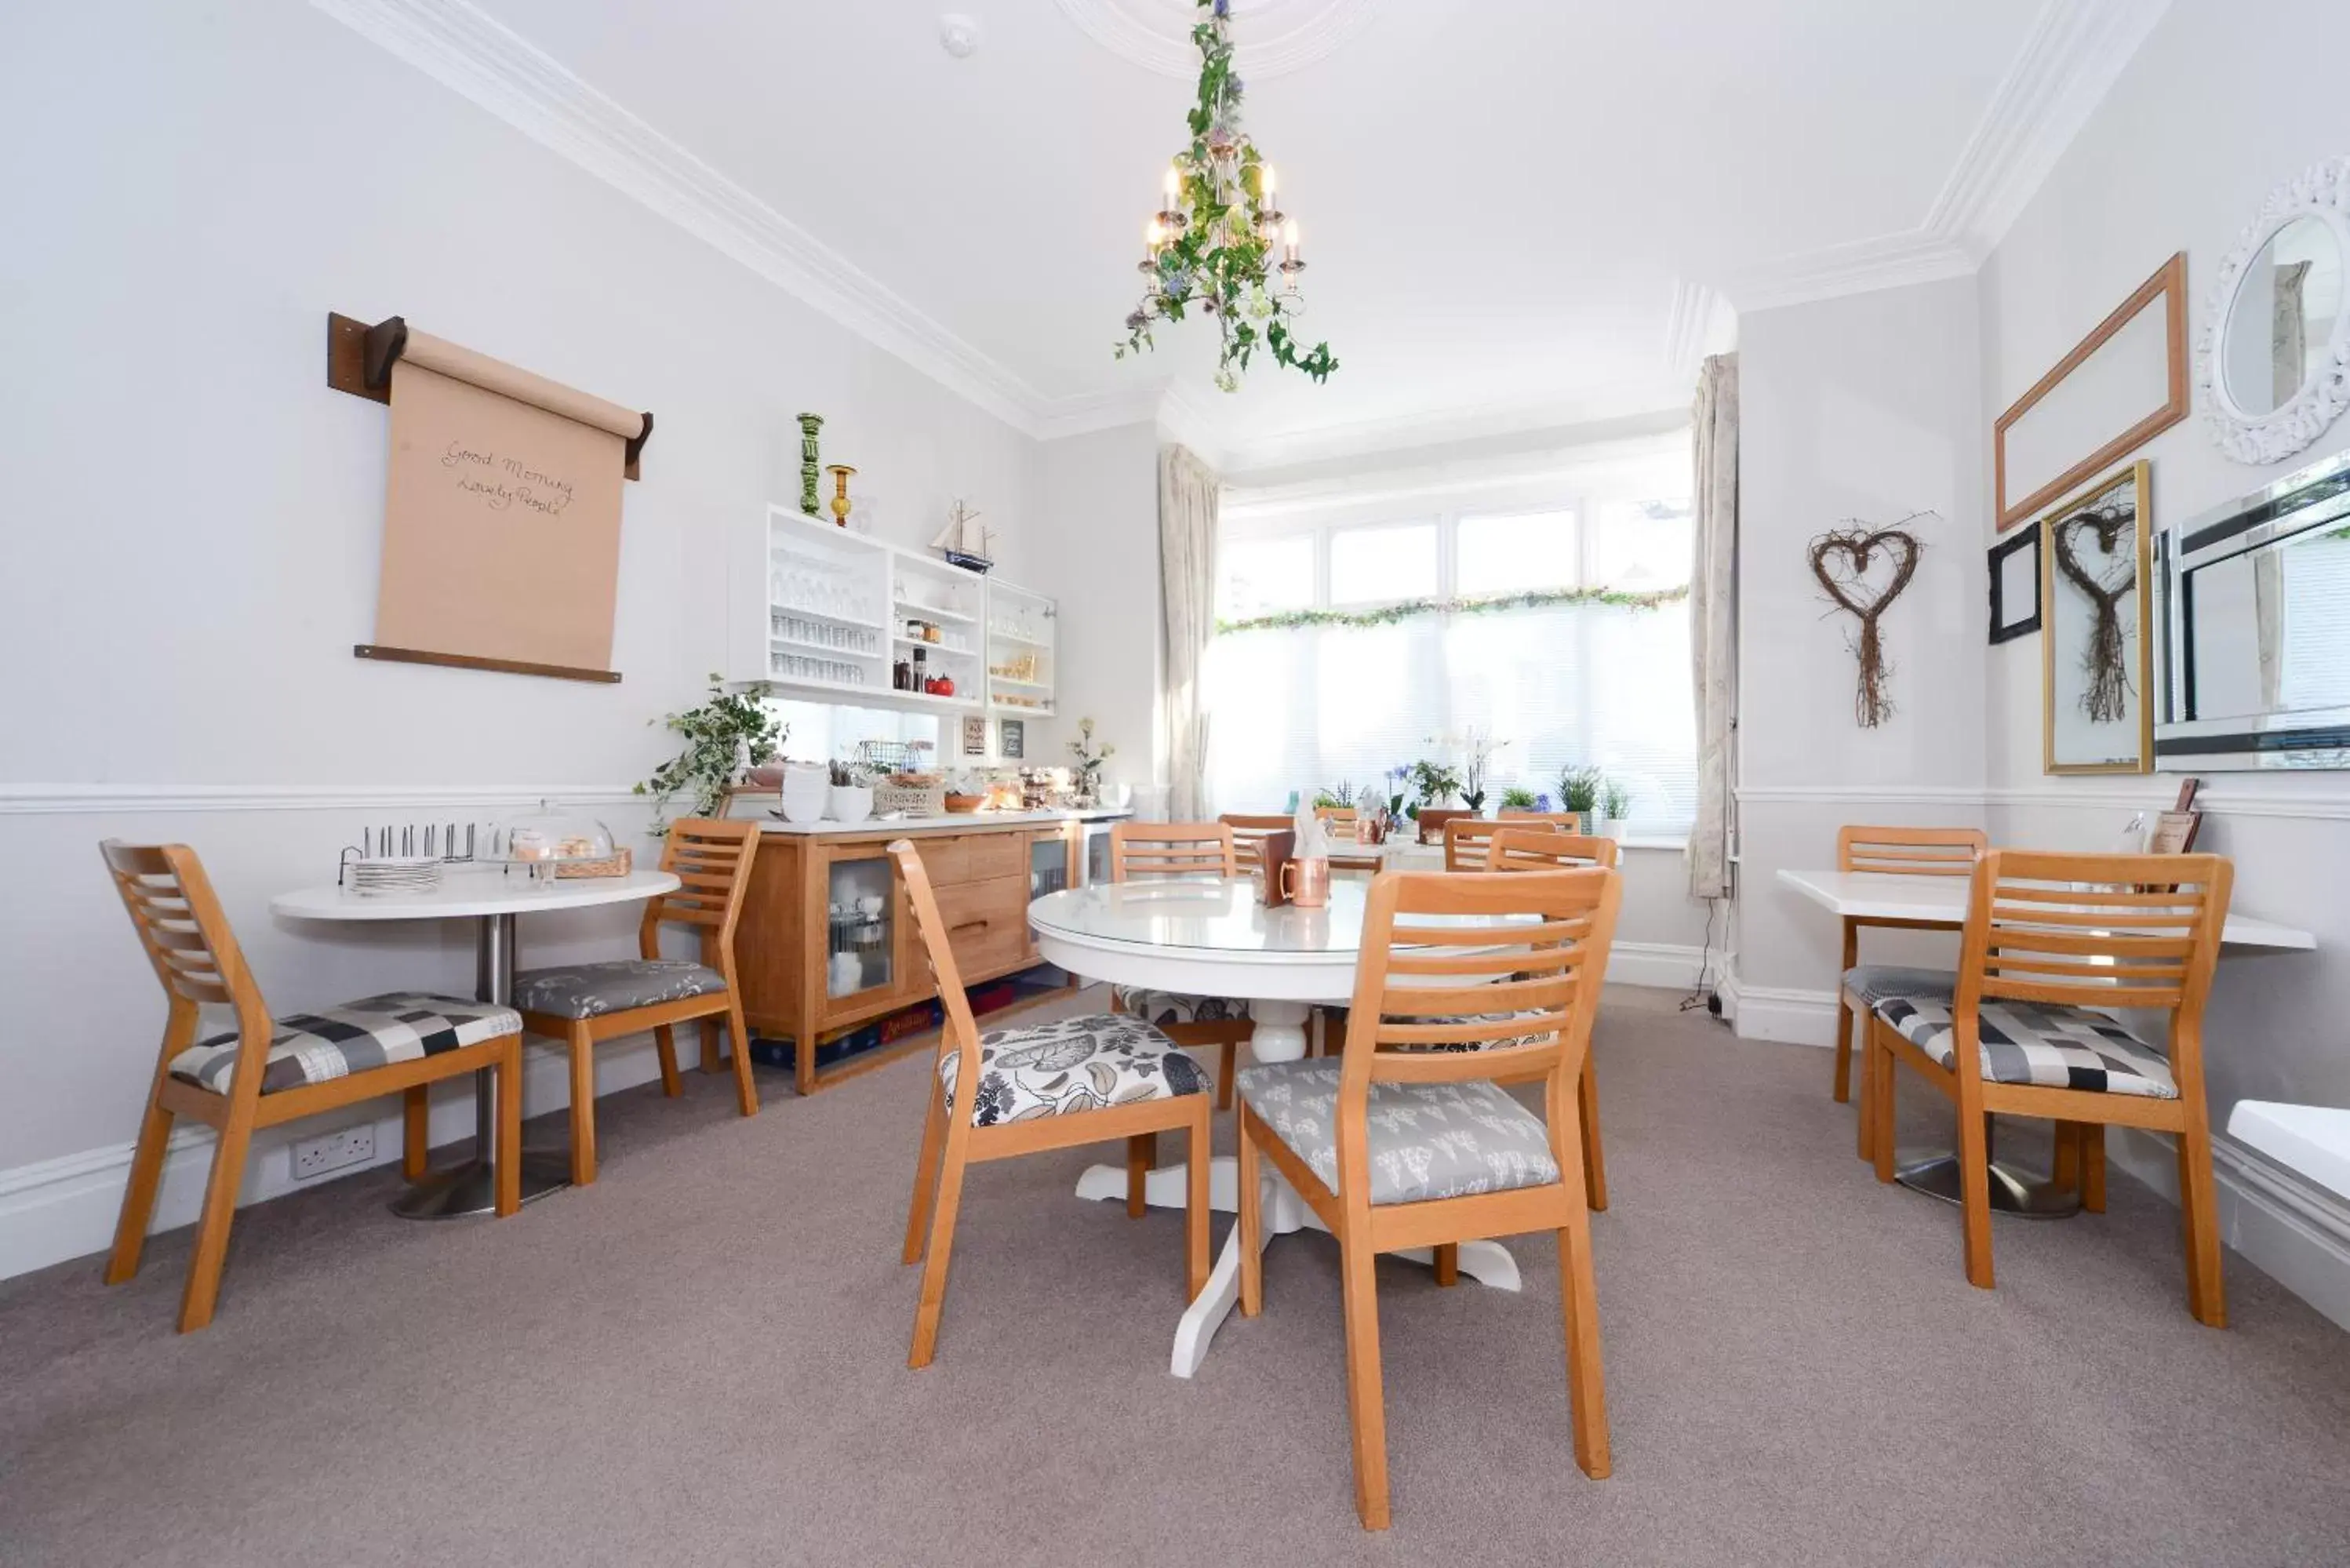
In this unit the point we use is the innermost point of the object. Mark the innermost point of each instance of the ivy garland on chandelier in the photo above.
(1211, 245)
(1411, 610)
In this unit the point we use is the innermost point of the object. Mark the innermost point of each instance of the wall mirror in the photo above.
(2275, 360)
(2095, 667)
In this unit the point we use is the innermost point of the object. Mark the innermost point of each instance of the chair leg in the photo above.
(1586, 1110)
(711, 1064)
(665, 1044)
(1586, 1387)
(507, 1197)
(1447, 1263)
(1141, 1154)
(583, 1105)
(934, 1269)
(746, 1093)
(1195, 1205)
(1974, 1187)
(2093, 1166)
(926, 1173)
(1231, 1065)
(415, 1131)
(211, 1228)
(1251, 1216)
(1866, 1120)
(139, 1196)
(1882, 1071)
(2199, 1206)
(1366, 1397)
(1844, 1047)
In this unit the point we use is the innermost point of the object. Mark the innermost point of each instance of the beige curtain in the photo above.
(1713, 660)
(1187, 570)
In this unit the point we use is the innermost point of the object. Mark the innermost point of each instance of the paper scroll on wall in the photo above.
(502, 516)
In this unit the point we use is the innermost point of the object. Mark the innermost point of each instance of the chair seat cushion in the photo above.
(1427, 1140)
(621, 985)
(1073, 1064)
(312, 1047)
(1163, 1007)
(1870, 983)
(2033, 1042)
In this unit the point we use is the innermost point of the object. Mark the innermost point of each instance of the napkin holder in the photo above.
(1273, 851)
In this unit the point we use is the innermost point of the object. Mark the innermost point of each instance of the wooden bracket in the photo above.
(473, 661)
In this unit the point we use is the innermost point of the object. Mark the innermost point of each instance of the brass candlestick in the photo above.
(840, 473)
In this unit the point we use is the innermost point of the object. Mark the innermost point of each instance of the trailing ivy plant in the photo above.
(1488, 604)
(718, 735)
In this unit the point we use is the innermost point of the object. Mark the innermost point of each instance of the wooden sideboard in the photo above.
(827, 943)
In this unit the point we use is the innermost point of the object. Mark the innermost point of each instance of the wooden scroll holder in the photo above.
(1273, 851)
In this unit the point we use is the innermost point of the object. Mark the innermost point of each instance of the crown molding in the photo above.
(1272, 39)
(1409, 438)
(483, 61)
(1699, 323)
(2074, 53)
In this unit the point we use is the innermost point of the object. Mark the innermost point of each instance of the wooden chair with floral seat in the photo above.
(1466, 838)
(1061, 1084)
(1894, 852)
(268, 1070)
(1407, 1139)
(1139, 849)
(2054, 945)
(583, 1004)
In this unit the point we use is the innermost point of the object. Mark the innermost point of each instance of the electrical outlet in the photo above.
(318, 1156)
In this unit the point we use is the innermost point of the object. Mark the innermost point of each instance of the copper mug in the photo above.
(1311, 888)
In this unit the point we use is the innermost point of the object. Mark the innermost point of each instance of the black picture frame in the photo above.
(2008, 621)
(1015, 738)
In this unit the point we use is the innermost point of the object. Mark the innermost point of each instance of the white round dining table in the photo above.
(1210, 937)
(491, 897)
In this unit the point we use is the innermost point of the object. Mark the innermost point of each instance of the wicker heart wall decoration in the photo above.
(1840, 560)
(2107, 697)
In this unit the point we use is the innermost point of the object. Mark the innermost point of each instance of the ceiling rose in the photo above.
(1271, 38)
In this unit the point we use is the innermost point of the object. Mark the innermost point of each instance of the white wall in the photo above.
(1097, 551)
(1868, 408)
(192, 516)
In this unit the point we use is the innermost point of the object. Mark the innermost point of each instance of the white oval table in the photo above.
(491, 897)
(1210, 937)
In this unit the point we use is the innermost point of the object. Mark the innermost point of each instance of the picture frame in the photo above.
(1013, 738)
(2097, 664)
(974, 736)
(2015, 587)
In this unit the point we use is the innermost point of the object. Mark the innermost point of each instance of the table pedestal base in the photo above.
(467, 1188)
(2012, 1191)
(1487, 1262)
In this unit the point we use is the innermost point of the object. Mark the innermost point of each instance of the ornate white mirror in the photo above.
(2275, 363)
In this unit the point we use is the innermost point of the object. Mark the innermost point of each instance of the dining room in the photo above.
(838, 785)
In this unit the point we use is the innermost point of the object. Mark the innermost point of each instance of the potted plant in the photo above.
(1432, 784)
(1578, 791)
(1615, 804)
(1477, 749)
(727, 735)
(849, 798)
(1517, 797)
(1090, 759)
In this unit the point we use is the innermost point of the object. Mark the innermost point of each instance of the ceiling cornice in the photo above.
(481, 60)
(2074, 53)
(1442, 428)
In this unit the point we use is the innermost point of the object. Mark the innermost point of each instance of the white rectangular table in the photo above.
(2312, 1139)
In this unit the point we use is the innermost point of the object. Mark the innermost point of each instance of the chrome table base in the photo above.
(2012, 1191)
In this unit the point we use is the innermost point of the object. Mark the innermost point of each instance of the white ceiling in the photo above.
(1509, 205)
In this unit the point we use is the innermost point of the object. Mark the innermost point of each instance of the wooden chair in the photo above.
(1339, 821)
(270, 1070)
(585, 1003)
(1369, 1138)
(1207, 1022)
(1072, 1081)
(1248, 835)
(2021, 1038)
(1892, 851)
(1469, 839)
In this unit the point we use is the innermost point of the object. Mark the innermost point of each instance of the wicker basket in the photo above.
(914, 795)
(616, 864)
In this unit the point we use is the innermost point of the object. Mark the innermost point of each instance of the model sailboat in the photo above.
(963, 542)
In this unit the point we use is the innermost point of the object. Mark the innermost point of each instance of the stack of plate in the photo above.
(407, 874)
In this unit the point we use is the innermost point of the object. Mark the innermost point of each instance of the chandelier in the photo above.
(1210, 243)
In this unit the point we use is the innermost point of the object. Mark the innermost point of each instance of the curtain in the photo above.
(2288, 334)
(1187, 571)
(1713, 663)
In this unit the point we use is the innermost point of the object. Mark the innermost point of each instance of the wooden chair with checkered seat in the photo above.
(583, 1004)
(1892, 852)
(1062, 1085)
(2054, 944)
(1406, 1138)
(269, 1070)
(1149, 849)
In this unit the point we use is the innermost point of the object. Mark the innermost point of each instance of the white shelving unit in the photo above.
(1023, 632)
(926, 592)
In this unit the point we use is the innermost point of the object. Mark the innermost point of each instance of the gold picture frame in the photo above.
(2095, 694)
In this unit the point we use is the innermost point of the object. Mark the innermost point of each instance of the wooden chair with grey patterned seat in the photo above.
(1407, 1139)
(586, 1003)
(1062, 1085)
(266, 1070)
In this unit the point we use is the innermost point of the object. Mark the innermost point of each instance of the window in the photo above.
(1262, 574)
(1342, 700)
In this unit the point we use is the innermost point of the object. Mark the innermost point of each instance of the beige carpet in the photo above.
(701, 1359)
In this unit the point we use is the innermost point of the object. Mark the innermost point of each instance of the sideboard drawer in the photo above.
(987, 922)
(971, 857)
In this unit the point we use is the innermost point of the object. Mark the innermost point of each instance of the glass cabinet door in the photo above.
(1048, 864)
(861, 909)
(1096, 853)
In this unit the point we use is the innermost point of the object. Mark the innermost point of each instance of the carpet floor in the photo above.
(701, 1360)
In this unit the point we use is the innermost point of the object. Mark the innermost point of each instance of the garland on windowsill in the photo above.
(1411, 610)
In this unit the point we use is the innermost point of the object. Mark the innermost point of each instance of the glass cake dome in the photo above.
(552, 837)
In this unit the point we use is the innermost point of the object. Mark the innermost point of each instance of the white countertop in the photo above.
(1942, 900)
(964, 822)
(2312, 1139)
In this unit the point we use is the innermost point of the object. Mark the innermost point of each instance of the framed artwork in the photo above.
(2096, 667)
(1014, 733)
(975, 737)
(2015, 587)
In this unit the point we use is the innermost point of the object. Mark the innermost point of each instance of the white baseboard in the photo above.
(66, 1207)
(1790, 1015)
(2294, 1233)
(1668, 966)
